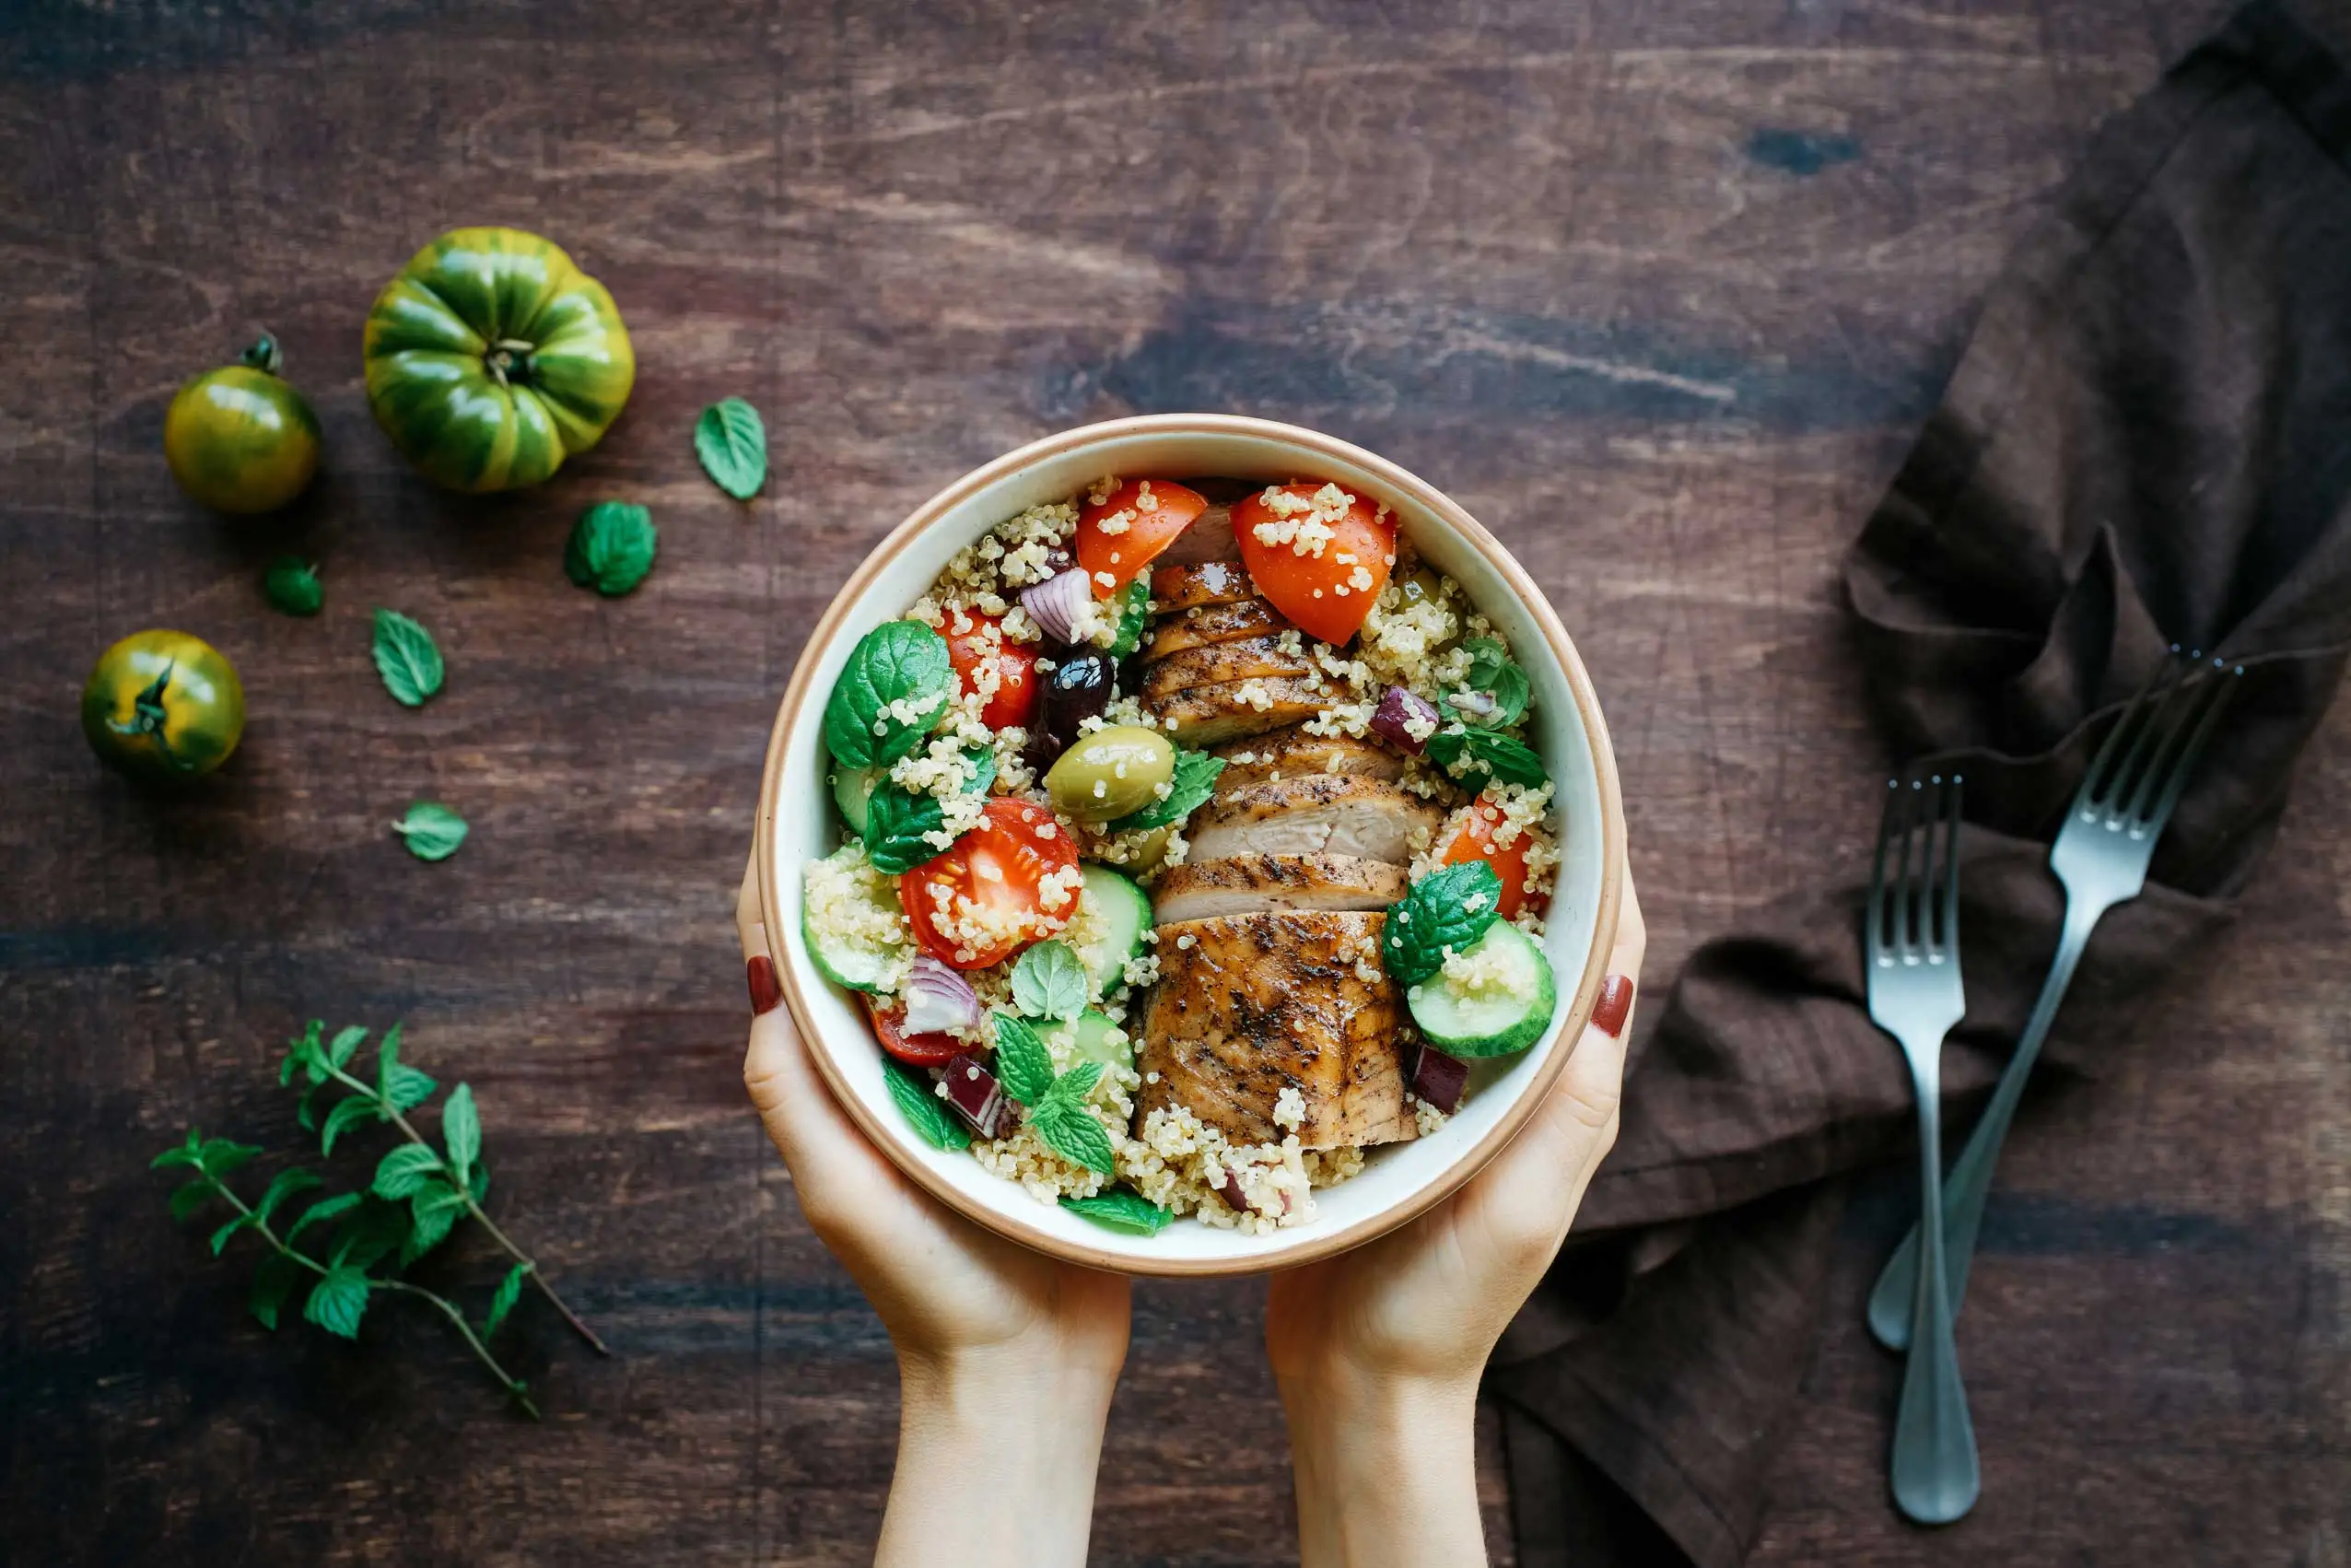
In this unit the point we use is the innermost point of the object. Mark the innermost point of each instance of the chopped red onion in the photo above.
(1054, 604)
(1398, 709)
(974, 1094)
(937, 998)
(1439, 1079)
(1228, 1186)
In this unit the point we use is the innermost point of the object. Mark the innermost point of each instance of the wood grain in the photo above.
(1657, 291)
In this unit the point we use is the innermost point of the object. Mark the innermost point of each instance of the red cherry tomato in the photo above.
(1328, 594)
(983, 900)
(1111, 560)
(1476, 842)
(1015, 698)
(915, 1050)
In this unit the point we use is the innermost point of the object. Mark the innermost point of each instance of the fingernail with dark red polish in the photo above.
(766, 995)
(1609, 1013)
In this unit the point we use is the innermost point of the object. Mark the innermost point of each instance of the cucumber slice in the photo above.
(852, 789)
(1117, 914)
(1508, 1012)
(848, 913)
(1098, 1040)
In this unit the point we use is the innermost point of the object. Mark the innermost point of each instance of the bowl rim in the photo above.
(1463, 1165)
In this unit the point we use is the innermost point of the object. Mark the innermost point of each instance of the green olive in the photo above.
(1111, 772)
(1420, 586)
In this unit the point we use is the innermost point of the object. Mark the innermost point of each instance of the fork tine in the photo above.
(2168, 732)
(1949, 938)
(2106, 765)
(1912, 910)
(1877, 943)
(2155, 730)
(2224, 686)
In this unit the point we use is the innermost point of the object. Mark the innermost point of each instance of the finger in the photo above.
(794, 1103)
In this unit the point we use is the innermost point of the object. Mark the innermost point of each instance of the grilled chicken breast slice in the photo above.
(1243, 659)
(1295, 752)
(1206, 715)
(1209, 537)
(1212, 583)
(1316, 814)
(1215, 623)
(1198, 890)
(1254, 1004)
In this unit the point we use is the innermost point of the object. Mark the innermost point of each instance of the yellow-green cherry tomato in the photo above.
(162, 705)
(1111, 772)
(492, 357)
(239, 438)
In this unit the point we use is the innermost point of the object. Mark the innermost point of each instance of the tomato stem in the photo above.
(509, 357)
(264, 355)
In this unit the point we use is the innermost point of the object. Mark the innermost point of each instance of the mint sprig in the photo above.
(1055, 1102)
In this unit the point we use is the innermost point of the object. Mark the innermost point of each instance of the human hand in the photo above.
(994, 1342)
(1377, 1352)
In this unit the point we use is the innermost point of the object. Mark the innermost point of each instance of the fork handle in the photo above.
(1970, 1182)
(1933, 1468)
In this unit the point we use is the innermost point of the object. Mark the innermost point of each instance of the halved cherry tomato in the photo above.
(1111, 560)
(991, 884)
(915, 1050)
(1015, 698)
(1476, 842)
(1326, 595)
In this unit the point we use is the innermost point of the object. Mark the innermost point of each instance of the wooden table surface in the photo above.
(1660, 291)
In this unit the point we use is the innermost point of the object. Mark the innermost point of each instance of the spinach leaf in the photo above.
(1467, 752)
(895, 823)
(1194, 783)
(1121, 1209)
(611, 547)
(923, 1110)
(292, 586)
(1491, 671)
(1134, 612)
(890, 694)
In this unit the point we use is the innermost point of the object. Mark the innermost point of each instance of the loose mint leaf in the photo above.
(611, 547)
(510, 1290)
(889, 696)
(274, 1281)
(346, 1045)
(1447, 909)
(432, 831)
(353, 1111)
(1467, 754)
(407, 659)
(1049, 982)
(732, 440)
(1069, 1133)
(895, 821)
(1134, 613)
(1194, 783)
(1022, 1064)
(188, 1197)
(923, 1110)
(325, 1208)
(405, 1171)
(291, 586)
(338, 1301)
(462, 1130)
(433, 1210)
(1492, 673)
(220, 1237)
(285, 1185)
(1121, 1211)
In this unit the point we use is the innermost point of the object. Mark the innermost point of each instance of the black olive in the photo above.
(1080, 688)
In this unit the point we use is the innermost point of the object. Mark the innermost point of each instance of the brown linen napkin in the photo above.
(2147, 440)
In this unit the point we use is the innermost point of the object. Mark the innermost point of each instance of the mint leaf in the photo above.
(1447, 909)
(1194, 783)
(924, 1111)
(404, 1086)
(405, 1170)
(291, 586)
(302, 1053)
(1134, 613)
(462, 1130)
(510, 1290)
(1049, 982)
(1469, 753)
(180, 1155)
(432, 831)
(221, 1156)
(1073, 1087)
(611, 547)
(374, 1231)
(732, 440)
(344, 1046)
(352, 1110)
(220, 1237)
(1069, 1133)
(895, 821)
(1022, 1064)
(274, 1281)
(285, 1185)
(1121, 1211)
(1491, 671)
(188, 1197)
(407, 659)
(889, 695)
(325, 1208)
(433, 1210)
(338, 1301)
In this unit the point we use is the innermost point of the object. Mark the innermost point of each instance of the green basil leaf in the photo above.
(1022, 1064)
(431, 830)
(1134, 613)
(924, 1111)
(732, 440)
(338, 1301)
(611, 547)
(1121, 1209)
(462, 1130)
(510, 1290)
(1069, 1133)
(895, 823)
(890, 694)
(1469, 753)
(1049, 982)
(405, 1169)
(1194, 783)
(274, 1281)
(1447, 909)
(407, 659)
(325, 1208)
(291, 586)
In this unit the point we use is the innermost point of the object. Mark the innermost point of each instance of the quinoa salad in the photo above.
(1191, 845)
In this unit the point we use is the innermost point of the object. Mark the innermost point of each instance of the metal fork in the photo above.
(2101, 855)
(1915, 995)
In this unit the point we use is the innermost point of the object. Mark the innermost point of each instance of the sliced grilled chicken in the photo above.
(1209, 537)
(1253, 1004)
(1244, 884)
(1213, 582)
(1206, 715)
(1318, 813)
(1242, 659)
(1215, 623)
(1295, 754)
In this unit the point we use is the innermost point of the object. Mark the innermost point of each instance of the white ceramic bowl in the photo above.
(796, 825)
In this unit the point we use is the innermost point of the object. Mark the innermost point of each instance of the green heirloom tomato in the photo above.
(492, 357)
(162, 705)
(239, 439)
